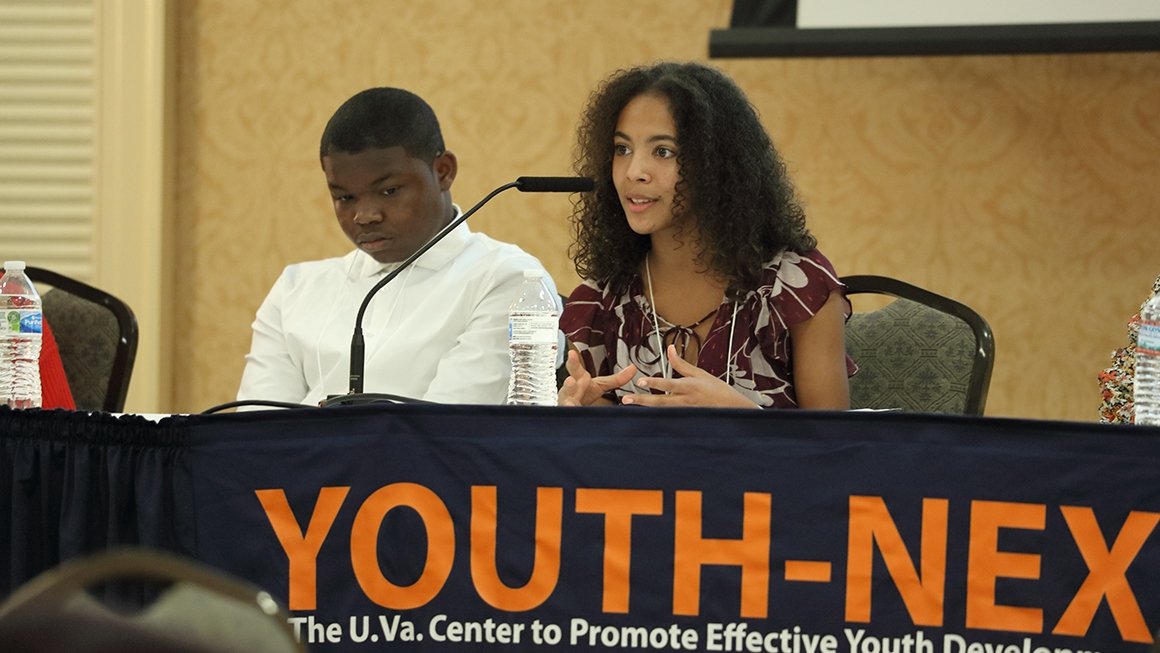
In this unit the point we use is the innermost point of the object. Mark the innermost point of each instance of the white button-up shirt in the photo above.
(437, 332)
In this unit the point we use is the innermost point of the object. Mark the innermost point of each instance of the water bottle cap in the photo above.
(13, 265)
(533, 274)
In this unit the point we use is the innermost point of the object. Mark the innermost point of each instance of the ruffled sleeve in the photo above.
(794, 287)
(581, 309)
(587, 323)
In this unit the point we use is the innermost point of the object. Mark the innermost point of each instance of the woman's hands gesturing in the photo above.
(583, 389)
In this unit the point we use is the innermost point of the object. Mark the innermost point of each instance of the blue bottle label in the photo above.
(1148, 339)
(22, 320)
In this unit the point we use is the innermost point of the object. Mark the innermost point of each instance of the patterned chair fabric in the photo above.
(97, 337)
(920, 353)
(87, 335)
(135, 600)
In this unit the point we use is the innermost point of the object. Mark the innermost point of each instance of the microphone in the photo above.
(555, 184)
(357, 345)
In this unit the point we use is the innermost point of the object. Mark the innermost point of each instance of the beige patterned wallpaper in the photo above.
(1024, 186)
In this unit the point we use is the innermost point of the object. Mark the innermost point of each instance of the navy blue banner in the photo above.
(434, 528)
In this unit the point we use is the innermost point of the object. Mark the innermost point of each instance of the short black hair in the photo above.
(380, 118)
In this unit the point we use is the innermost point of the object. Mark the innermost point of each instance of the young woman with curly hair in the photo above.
(703, 286)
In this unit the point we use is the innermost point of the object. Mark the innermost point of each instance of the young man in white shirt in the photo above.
(438, 331)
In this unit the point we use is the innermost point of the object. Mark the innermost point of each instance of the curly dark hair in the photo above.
(733, 183)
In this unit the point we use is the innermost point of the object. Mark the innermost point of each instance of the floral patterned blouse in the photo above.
(610, 331)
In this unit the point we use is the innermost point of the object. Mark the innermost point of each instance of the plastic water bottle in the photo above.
(1147, 384)
(533, 322)
(20, 324)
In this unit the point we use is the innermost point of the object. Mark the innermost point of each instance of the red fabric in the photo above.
(54, 390)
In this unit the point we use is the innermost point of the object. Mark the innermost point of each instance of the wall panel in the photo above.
(1020, 185)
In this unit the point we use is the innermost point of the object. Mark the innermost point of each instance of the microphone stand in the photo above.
(357, 345)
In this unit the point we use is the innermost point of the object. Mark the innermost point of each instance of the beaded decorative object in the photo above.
(1116, 382)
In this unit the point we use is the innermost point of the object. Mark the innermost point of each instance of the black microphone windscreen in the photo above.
(554, 184)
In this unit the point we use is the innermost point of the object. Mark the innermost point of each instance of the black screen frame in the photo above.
(767, 28)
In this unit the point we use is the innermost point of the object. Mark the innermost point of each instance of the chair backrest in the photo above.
(179, 606)
(97, 337)
(922, 352)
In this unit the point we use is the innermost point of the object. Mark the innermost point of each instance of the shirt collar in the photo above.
(365, 266)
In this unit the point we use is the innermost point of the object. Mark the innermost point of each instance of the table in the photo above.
(511, 528)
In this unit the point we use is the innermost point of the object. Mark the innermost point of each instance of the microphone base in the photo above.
(359, 398)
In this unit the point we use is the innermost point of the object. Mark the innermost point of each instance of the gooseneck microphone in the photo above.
(548, 185)
(357, 346)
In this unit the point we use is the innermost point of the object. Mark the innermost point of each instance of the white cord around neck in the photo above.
(652, 304)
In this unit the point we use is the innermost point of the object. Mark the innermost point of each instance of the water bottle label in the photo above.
(25, 320)
(1149, 338)
(533, 330)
